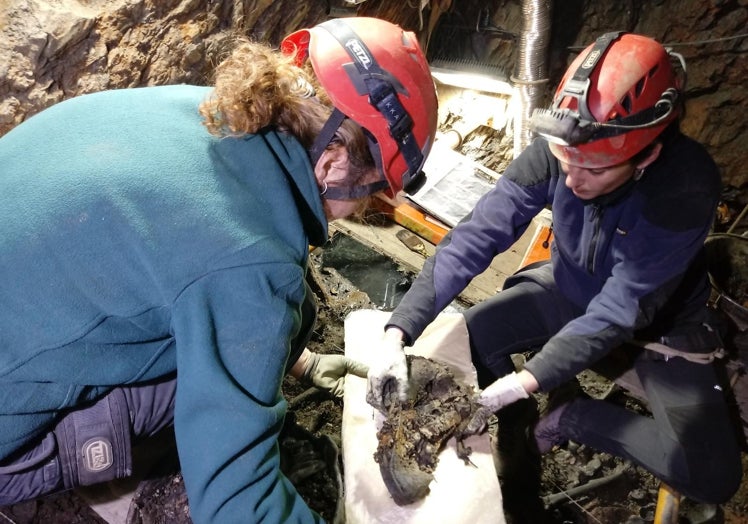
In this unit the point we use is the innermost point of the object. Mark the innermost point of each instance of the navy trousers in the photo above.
(689, 442)
(93, 443)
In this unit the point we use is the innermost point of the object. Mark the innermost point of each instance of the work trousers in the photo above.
(690, 440)
(89, 445)
(93, 443)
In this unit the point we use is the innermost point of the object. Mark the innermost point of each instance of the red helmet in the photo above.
(376, 74)
(623, 92)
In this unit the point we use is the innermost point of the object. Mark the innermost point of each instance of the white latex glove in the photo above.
(388, 370)
(504, 391)
(328, 372)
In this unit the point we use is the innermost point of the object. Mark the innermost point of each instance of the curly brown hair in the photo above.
(256, 86)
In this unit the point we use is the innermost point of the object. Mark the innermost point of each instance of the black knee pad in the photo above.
(94, 443)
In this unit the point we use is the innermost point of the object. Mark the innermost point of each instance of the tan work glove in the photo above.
(328, 372)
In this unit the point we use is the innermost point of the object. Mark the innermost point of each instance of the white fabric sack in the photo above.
(459, 492)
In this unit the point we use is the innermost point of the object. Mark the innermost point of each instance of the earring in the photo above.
(324, 188)
(638, 173)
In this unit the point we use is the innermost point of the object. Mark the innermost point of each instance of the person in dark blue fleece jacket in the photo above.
(153, 258)
(632, 201)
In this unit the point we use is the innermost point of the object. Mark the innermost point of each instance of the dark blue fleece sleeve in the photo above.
(497, 221)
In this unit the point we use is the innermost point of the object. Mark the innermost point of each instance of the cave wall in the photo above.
(56, 49)
(716, 105)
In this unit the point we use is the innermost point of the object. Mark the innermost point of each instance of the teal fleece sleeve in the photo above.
(232, 329)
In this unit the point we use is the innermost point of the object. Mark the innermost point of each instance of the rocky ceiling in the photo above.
(56, 49)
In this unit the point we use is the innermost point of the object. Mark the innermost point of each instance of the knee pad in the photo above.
(93, 443)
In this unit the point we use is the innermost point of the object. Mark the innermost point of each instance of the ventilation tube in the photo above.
(532, 67)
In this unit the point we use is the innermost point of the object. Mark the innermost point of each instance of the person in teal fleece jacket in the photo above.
(153, 258)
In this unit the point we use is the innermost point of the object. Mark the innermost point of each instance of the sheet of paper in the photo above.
(454, 183)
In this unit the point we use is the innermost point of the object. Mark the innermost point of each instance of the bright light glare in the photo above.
(472, 81)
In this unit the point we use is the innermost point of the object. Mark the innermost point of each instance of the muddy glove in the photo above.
(388, 371)
(502, 392)
(328, 371)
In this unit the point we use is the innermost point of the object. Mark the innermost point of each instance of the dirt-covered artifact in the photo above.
(415, 432)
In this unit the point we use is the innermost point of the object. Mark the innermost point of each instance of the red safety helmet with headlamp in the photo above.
(615, 98)
(375, 74)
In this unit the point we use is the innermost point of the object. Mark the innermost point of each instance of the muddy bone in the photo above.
(415, 432)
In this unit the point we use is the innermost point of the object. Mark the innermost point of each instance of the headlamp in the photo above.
(566, 127)
(562, 126)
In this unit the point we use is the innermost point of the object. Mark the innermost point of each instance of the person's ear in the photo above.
(651, 157)
(332, 158)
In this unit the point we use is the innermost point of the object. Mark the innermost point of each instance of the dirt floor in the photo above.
(577, 485)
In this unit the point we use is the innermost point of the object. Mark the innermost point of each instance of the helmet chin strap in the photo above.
(325, 136)
(354, 192)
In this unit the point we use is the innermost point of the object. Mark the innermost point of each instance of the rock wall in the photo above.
(56, 49)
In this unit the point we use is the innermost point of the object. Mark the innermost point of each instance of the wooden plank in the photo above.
(383, 239)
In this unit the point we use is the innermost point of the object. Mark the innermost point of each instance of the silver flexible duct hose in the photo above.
(532, 67)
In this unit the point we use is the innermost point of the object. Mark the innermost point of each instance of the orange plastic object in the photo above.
(539, 248)
(411, 218)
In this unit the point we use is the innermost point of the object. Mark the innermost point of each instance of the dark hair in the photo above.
(663, 138)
